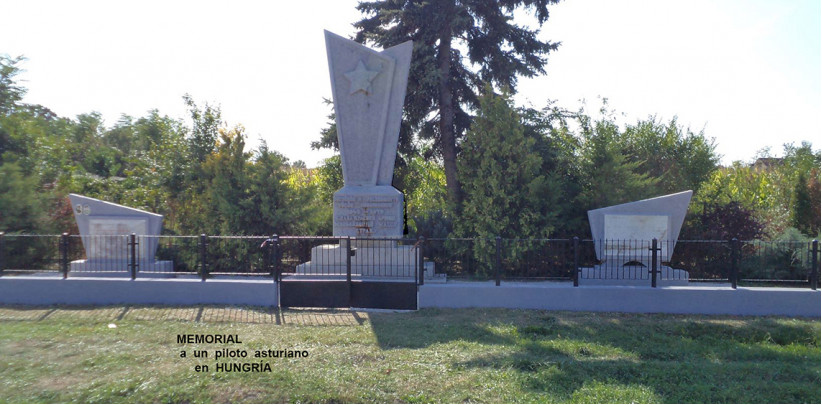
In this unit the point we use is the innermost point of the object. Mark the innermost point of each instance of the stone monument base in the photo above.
(430, 276)
(372, 261)
(631, 276)
(119, 268)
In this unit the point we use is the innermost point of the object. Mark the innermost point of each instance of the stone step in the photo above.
(631, 275)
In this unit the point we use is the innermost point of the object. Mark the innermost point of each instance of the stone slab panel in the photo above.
(368, 212)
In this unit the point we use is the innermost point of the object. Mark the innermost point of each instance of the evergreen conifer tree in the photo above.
(458, 45)
(505, 192)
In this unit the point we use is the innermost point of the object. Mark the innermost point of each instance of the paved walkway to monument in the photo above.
(202, 314)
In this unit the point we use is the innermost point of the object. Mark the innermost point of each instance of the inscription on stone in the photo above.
(628, 236)
(636, 227)
(368, 215)
(108, 240)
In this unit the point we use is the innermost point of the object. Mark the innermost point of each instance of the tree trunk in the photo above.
(447, 135)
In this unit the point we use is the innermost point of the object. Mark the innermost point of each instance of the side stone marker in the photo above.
(103, 228)
(622, 238)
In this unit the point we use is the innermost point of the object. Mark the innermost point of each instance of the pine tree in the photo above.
(442, 78)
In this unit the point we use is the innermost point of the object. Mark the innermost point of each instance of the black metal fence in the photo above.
(766, 263)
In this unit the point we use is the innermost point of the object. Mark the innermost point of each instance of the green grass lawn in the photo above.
(475, 355)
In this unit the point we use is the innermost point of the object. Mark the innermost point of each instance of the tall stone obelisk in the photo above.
(368, 88)
(369, 93)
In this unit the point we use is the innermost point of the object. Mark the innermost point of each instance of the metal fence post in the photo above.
(2, 250)
(421, 261)
(275, 257)
(654, 249)
(576, 261)
(498, 265)
(814, 263)
(64, 262)
(132, 255)
(348, 260)
(348, 268)
(734, 276)
(203, 264)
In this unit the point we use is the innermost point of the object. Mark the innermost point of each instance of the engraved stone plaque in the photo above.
(368, 212)
(636, 227)
(627, 236)
(106, 240)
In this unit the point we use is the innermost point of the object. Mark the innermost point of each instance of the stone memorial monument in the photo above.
(622, 238)
(368, 88)
(103, 228)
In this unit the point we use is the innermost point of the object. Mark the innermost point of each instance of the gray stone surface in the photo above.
(26, 290)
(110, 291)
(368, 88)
(119, 268)
(623, 233)
(631, 275)
(375, 261)
(673, 300)
(103, 228)
(368, 212)
(369, 91)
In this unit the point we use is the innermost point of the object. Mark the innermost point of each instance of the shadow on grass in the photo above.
(585, 357)
(197, 314)
(651, 336)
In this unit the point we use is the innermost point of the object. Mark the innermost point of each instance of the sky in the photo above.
(746, 72)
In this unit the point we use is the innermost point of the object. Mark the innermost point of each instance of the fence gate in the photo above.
(347, 273)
